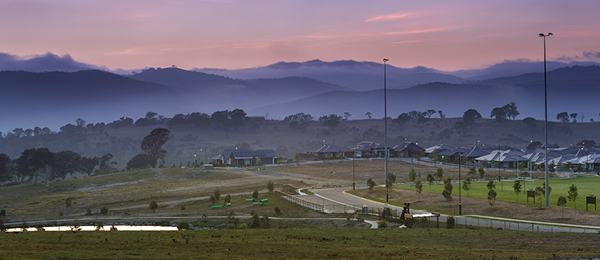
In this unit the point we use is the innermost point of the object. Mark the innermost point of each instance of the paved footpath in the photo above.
(338, 201)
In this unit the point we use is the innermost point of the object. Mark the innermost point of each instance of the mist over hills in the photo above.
(55, 98)
(574, 89)
(356, 75)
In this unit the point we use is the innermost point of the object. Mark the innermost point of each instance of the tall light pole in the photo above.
(545, 119)
(459, 185)
(387, 198)
(353, 183)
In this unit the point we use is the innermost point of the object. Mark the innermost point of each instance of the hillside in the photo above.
(124, 142)
(355, 75)
(52, 98)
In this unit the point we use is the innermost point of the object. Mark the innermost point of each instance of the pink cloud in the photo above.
(429, 30)
(389, 17)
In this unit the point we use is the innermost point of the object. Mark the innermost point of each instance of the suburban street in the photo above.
(336, 200)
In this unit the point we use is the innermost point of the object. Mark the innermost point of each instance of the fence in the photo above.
(300, 201)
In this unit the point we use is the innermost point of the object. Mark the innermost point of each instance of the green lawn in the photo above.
(585, 186)
(299, 244)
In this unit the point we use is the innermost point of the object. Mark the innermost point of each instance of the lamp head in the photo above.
(541, 35)
(384, 60)
(550, 34)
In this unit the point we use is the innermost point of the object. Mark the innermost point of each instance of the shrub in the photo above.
(217, 194)
(277, 210)
(242, 226)
(104, 210)
(370, 183)
(450, 222)
(153, 205)
(382, 224)
(227, 198)
(88, 211)
(183, 226)
(255, 194)
(270, 186)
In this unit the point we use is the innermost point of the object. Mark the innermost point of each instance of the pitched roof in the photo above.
(408, 145)
(248, 154)
(328, 148)
(438, 148)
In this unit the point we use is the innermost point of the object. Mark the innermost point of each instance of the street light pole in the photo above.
(545, 119)
(387, 198)
(459, 185)
(353, 183)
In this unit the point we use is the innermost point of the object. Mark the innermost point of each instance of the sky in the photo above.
(234, 34)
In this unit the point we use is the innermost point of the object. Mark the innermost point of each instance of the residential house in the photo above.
(241, 157)
(408, 150)
(328, 151)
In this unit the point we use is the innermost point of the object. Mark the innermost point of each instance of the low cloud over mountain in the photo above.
(42, 63)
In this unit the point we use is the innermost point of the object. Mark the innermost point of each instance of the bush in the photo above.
(183, 226)
(270, 186)
(382, 224)
(104, 210)
(370, 183)
(153, 205)
(255, 194)
(88, 211)
(450, 222)
(242, 226)
(277, 210)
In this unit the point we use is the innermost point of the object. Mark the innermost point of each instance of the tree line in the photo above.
(40, 164)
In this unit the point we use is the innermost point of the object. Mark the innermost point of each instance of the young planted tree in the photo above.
(227, 199)
(573, 194)
(492, 197)
(439, 174)
(412, 175)
(447, 193)
(517, 187)
(467, 185)
(370, 184)
(255, 194)
(539, 194)
(153, 206)
(419, 188)
(491, 185)
(472, 171)
(270, 186)
(562, 201)
(217, 194)
(430, 179)
(391, 180)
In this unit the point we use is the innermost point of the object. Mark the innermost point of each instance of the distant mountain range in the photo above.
(55, 98)
(355, 75)
(573, 89)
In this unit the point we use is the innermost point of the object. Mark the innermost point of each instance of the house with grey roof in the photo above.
(241, 157)
(408, 150)
(329, 151)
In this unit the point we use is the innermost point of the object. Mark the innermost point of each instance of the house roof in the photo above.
(437, 148)
(476, 152)
(333, 149)
(457, 151)
(408, 145)
(248, 154)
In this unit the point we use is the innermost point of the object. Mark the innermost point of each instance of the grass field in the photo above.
(505, 192)
(300, 244)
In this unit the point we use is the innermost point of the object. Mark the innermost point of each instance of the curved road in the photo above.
(338, 201)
